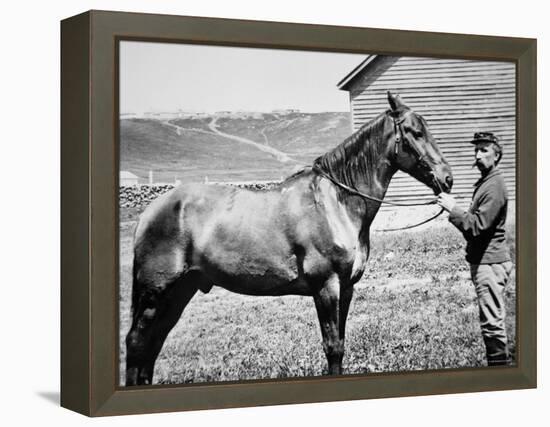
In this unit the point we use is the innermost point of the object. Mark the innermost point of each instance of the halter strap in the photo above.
(399, 138)
(398, 132)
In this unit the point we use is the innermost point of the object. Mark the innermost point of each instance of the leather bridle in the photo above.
(399, 139)
(420, 158)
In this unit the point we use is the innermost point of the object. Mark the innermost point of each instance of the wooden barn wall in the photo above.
(457, 98)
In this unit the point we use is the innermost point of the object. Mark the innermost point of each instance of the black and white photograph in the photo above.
(288, 214)
(275, 213)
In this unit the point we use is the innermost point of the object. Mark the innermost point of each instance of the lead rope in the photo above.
(413, 225)
(366, 196)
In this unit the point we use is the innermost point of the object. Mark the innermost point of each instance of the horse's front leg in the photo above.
(332, 302)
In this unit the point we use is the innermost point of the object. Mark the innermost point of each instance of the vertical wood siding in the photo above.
(457, 98)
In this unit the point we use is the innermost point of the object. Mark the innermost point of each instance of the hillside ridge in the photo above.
(227, 146)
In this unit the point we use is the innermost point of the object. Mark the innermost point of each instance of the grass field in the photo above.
(414, 309)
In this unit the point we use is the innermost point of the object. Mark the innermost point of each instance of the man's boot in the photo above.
(497, 352)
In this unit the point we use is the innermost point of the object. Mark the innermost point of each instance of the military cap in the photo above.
(480, 137)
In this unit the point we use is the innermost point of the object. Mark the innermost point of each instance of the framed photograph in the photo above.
(260, 213)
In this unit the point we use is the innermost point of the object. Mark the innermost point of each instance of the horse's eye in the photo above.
(418, 134)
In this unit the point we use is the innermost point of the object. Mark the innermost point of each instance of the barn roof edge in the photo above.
(350, 77)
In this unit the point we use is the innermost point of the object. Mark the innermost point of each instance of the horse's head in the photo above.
(414, 149)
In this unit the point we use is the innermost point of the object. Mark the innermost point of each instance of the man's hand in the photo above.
(446, 201)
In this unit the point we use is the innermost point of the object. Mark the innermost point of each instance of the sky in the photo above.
(167, 77)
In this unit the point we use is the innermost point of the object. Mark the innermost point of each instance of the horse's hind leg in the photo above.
(332, 302)
(156, 309)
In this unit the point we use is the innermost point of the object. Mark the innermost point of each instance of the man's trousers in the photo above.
(489, 281)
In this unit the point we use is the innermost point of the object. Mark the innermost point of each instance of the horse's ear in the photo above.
(395, 101)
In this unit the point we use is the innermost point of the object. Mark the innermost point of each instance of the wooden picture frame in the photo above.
(89, 194)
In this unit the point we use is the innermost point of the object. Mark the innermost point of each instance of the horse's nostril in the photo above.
(449, 181)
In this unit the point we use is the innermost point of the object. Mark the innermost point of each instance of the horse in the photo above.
(307, 236)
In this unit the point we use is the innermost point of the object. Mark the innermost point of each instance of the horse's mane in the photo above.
(297, 173)
(357, 156)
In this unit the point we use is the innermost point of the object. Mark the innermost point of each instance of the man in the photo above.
(483, 228)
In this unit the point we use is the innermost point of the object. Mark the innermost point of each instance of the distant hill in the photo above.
(228, 146)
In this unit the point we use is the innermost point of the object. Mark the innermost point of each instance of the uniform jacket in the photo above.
(483, 224)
